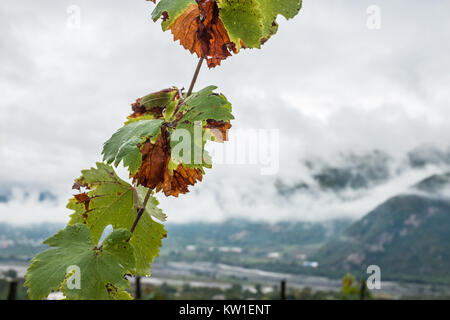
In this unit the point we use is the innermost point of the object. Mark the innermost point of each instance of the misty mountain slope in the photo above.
(351, 175)
(7, 194)
(436, 184)
(358, 172)
(408, 236)
(425, 155)
(351, 171)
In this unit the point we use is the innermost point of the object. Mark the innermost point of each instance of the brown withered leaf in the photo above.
(154, 163)
(201, 31)
(154, 171)
(178, 182)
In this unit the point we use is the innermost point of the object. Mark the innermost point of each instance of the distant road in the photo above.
(208, 274)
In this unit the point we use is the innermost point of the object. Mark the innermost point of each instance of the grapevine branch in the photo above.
(141, 209)
(213, 36)
(194, 79)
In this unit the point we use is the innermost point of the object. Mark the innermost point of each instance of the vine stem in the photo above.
(194, 79)
(141, 210)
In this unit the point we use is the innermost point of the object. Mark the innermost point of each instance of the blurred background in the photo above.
(356, 90)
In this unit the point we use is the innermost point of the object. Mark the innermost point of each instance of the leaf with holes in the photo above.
(101, 269)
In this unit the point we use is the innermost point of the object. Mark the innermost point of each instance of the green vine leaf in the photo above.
(101, 270)
(112, 201)
(123, 145)
(213, 29)
(161, 98)
(205, 105)
(243, 19)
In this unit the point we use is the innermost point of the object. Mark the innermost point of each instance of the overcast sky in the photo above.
(329, 83)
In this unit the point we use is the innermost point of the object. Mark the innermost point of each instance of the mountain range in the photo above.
(408, 237)
(362, 171)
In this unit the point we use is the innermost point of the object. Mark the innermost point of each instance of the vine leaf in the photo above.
(102, 270)
(112, 201)
(213, 29)
(201, 31)
(205, 105)
(123, 145)
(147, 146)
(150, 106)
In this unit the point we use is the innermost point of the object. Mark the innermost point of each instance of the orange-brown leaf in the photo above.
(201, 31)
(154, 163)
(154, 171)
(178, 182)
